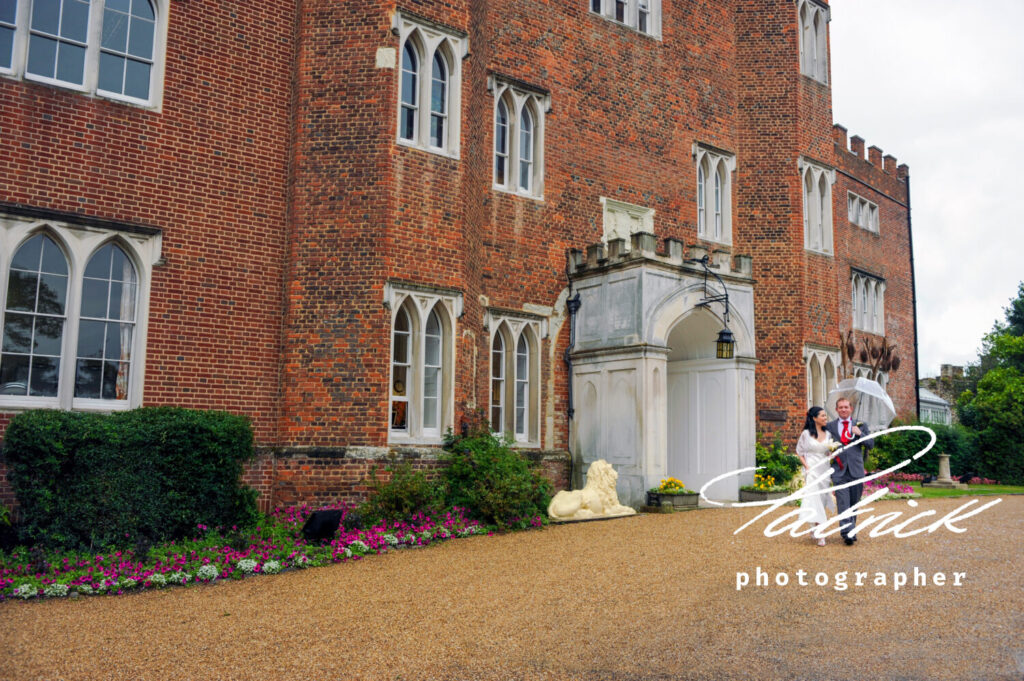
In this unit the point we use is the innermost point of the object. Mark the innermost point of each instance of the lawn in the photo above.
(929, 492)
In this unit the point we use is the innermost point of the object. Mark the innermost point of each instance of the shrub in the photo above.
(779, 464)
(141, 476)
(404, 494)
(496, 484)
(960, 443)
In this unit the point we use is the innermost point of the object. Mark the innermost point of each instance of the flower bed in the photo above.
(890, 482)
(219, 554)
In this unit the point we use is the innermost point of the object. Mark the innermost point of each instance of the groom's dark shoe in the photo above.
(849, 540)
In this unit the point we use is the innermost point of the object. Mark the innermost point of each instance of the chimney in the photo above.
(839, 137)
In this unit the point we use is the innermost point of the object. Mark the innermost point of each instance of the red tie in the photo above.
(845, 436)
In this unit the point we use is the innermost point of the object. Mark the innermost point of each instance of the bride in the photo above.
(814, 447)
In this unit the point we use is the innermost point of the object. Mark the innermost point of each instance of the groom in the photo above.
(849, 464)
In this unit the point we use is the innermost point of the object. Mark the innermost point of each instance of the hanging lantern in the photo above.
(725, 344)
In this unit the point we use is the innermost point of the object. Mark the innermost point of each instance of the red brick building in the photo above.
(358, 224)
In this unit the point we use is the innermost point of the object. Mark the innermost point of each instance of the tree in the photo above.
(995, 408)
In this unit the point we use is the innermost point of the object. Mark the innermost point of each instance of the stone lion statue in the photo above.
(597, 499)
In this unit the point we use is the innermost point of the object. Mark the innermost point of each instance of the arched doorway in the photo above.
(707, 406)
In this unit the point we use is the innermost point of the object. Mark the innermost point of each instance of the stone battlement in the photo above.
(673, 252)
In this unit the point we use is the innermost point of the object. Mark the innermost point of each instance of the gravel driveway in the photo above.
(646, 597)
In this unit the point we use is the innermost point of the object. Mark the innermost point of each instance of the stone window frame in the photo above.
(78, 244)
(620, 220)
(821, 365)
(512, 328)
(418, 302)
(864, 371)
(631, 13)
(89, 85)
(816, 182)
(518, 100)
(868, 298)
(714, 165)
(429, 39)
(862, 212)
(812, 31)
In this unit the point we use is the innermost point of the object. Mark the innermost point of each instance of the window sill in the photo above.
(454, 155)
(712, 240)
(520, 194)
(827, 254)
(633, 29)
(395, 438)
(823, 83)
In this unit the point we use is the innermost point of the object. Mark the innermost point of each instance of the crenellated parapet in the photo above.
(673, 252)
(854, 145)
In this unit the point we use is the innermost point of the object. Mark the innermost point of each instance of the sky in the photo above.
(939, 84)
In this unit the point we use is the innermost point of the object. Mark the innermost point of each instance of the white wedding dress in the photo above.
(812, 508)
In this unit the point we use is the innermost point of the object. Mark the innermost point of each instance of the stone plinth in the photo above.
(945, 480)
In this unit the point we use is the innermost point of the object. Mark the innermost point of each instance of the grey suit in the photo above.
(852, 469)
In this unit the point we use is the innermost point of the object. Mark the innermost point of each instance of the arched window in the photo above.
(72, 317)
(813, 32)
(714, 196)
(717, 234)
(34, 319)
(525, 149)
(501, 139)
(107, 325)
(126, 49)
(113, 48)
(515, 378)
(429, 84)
(518, 138)
(498, 384)
(439, 101)
(421, 387)
(702, 219)
(401, 367)
(432, 352)
(522, 387)
(817, 204)
(408, 123)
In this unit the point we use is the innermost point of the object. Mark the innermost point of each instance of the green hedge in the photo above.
(960, 443)
(91, 481)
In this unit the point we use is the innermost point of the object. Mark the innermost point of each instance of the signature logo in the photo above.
(882, 524)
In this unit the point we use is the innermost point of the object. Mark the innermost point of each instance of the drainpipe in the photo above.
(913, 301)
(573, 304)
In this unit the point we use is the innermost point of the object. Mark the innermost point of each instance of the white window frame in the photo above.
(419, 302)
(812, 31)
(816, 189)
(94, 35)
(862, 212)
(428, 39)
(821, 365)
(868, 295)
(620, 220)
(519, 99)
(632, 11)
(79, 244)
(511, 329)
(714, 202)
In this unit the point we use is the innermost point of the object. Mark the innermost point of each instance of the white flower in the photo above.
(467, 531)
(358, 547)
(85, 589)
(391, 539)
(26, 591)
(302, 561)
(247, 565)
(207, 573)
(271, 567)
(348, 553)
(178, 577)
(127, 583)
(444, 534)
(56, 590)
(157, 579)
(426, 536)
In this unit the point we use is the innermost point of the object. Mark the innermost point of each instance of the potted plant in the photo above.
(764, 488)
(778, 467)
(671, 492)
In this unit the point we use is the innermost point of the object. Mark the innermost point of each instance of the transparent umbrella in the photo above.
(870, 402)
